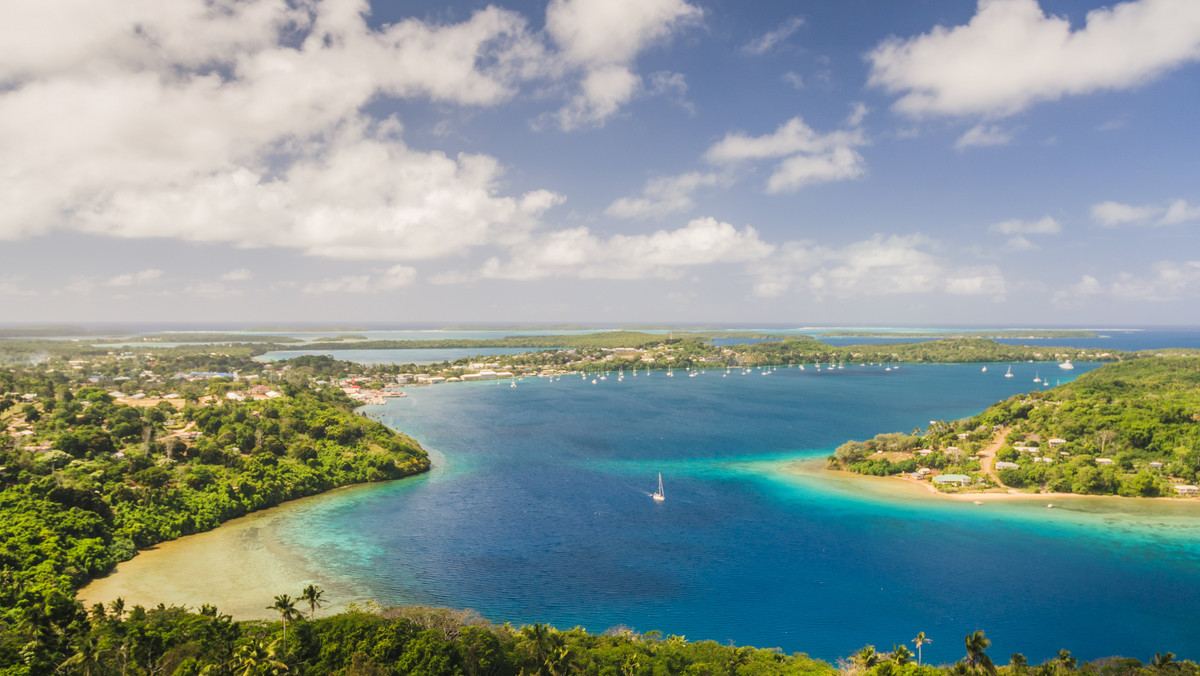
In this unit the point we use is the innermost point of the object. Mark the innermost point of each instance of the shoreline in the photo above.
(239, 567)
(917, 489)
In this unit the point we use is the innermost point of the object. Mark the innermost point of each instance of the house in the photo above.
(1056, 442)
(1184, 489)
(1026, 449)
(1104, 461)
(1156, 465)
(1007, 465)
(952, 479)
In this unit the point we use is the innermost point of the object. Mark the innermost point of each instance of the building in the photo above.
(1185, 489)
(1007, 465)
(952, 479)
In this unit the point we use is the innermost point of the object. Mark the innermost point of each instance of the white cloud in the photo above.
(243, 122)
(858, 113)
(1115, 214)
(663, 196)
(1016, 230)
(983, 135)
(238, 275)
(602, 38)
(663, 254)
(764, 43)
(1045, 225)
(393, 278)
(1167, 281)
(794, 79)
(1011, 55)
(879, 266)
(1180, 212)
(1086, 287)
(810, 157)
(135, 278)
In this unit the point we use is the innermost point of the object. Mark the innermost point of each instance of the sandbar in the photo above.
(238, 567)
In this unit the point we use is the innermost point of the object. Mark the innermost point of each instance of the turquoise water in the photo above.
(538, 509)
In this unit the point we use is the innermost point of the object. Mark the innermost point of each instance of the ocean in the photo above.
(538, 509)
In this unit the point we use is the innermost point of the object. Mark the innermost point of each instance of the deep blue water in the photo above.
(538, 509)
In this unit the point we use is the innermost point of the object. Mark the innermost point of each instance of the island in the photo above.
(1125, 429)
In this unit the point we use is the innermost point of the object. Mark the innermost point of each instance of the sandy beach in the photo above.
(220, 566)
(911, 488)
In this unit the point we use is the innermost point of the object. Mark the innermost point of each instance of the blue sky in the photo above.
(855, 162)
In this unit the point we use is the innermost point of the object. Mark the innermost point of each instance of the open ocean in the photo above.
(539, 509)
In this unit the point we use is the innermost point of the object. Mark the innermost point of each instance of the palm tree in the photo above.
(901, 655)
(539, 640)
(1018, 663)
(86, 658)
(312, 596)
(976, 659)
(1065, 661)
(920, 640)
(255, 658)
(117, 608)
(286, 607)
(867, 657)
(1162, 660)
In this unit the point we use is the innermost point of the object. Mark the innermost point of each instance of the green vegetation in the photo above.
(1124, 429)
(86, 481)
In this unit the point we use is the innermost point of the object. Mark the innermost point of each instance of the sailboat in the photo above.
(659, 496)
(1008, 373)
(1036, 378)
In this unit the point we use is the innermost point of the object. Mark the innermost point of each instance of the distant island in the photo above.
(1006, 334)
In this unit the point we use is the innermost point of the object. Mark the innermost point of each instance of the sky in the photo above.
(817, 162)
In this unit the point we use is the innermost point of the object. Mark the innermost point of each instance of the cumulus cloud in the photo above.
(602, 38)
(764, 43)
(1116, 214)
(983, 135)
(1012, 55)
(1016, 230)
(393, 278)
(879, 266)
(809, 157)
(1180, 212)
(244, 122)
(663, 196)
(663, 254)
(1167, 281)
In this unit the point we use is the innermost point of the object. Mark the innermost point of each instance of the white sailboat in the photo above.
(1008, 373)
(659, 496)
(1036, 378)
